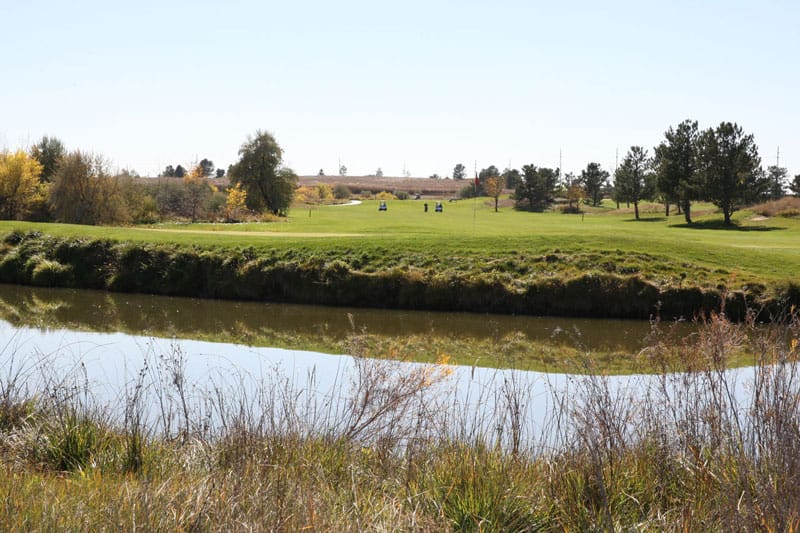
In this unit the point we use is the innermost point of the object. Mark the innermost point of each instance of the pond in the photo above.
(190, 385)
(285, 325)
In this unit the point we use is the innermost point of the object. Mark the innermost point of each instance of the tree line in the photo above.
(50, 183)
(719, 165)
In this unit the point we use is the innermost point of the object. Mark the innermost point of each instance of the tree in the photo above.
(794, 186)
(342, 170)
(593, 179)
(379, 172)
(197, 191)
(575, 194)
(321, 172)
(48, 152)
(729, 163)
(19, 184)
(494, 187)
(169, 172)
(776, 176)
(268, 184)
(84, 193)
(180, 172)
(459, 172)
(220, 173)
(235, 203)
(208, 167)
(435, 176)
(537, 187)
(634, 179)
(676, 167)
(485, 173)
(512, 178)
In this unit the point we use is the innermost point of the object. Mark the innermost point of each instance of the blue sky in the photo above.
(420, 85)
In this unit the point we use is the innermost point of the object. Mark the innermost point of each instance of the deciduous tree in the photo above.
(235, 203)
(494, 187)
(84, 193)
(19, 184)
(197, 191)
(269, 185)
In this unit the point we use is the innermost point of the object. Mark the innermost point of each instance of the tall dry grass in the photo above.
(697, 447)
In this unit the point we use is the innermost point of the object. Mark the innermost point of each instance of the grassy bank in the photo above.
(401, 455)
(468, 258)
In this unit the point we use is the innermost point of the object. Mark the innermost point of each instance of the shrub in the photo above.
(383, 195)
(324, 191)
(48, 273)
(341, 192)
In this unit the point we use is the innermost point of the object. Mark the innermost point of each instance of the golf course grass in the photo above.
(469, 258)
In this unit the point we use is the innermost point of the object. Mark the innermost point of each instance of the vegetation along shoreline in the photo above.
(340, 278)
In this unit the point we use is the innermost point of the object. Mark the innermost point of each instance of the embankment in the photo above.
(331, 279)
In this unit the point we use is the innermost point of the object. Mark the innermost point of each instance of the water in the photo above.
(46, 347)
(248, 322)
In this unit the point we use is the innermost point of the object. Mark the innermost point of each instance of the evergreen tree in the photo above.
(593, 180)
(676, 167)
(634, 179)
(729, 163)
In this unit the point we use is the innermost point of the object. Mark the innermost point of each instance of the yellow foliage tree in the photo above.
(235, 203)
(324, 191)
(493, 185)
(575, 193)
(197, 189)
(306, 195)
(19, 184)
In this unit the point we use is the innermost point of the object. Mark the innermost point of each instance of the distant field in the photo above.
(374, 184)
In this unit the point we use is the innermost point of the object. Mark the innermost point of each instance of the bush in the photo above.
(401, 195)
(49, 273)
(341, 192)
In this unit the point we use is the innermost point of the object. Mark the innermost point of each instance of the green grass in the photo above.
(752, 251)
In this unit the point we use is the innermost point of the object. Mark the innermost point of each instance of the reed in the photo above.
(393, 447)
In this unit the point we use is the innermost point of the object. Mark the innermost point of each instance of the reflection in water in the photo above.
(317, 390)
(246, 322)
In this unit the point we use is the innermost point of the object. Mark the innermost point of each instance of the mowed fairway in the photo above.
(658, 248)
